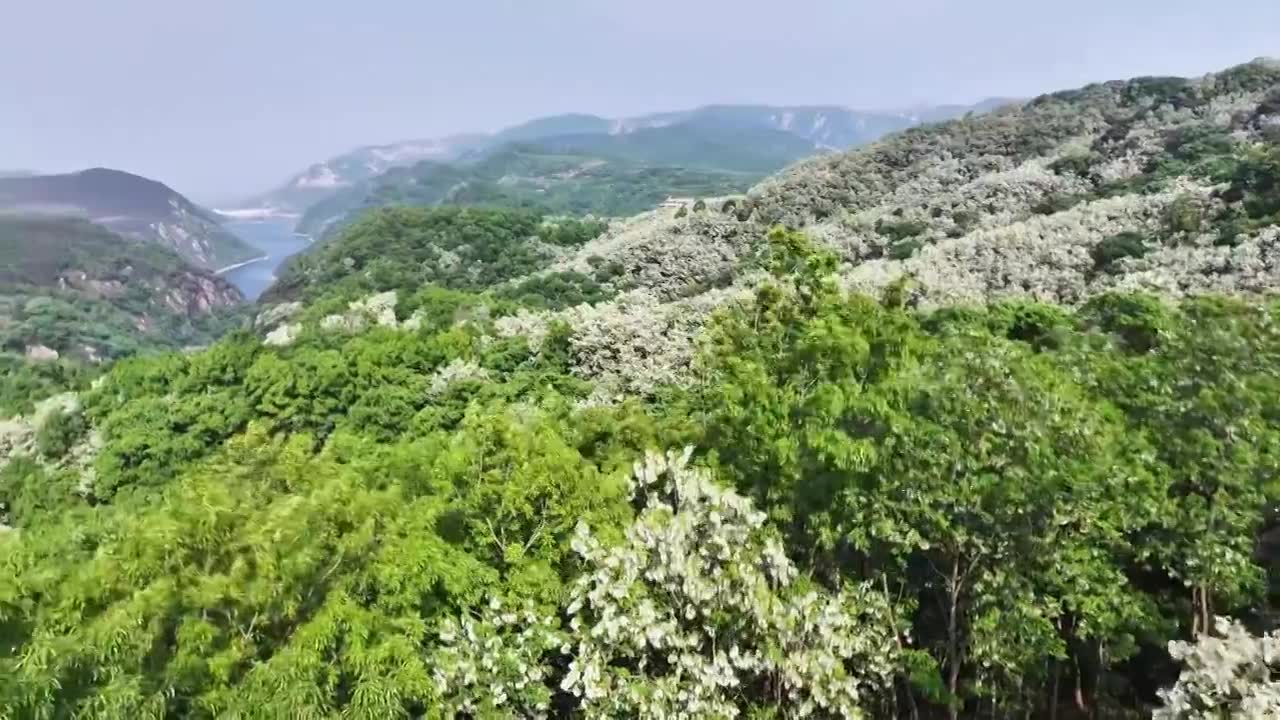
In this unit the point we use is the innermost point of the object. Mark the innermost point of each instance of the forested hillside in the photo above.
(71, 290)
(577, 175)
(760, 138)
(980, 421)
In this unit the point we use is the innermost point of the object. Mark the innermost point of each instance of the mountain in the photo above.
(559, 176)
(555, 125)
(1158, 184)
(829, 127)
(132, 206)
(494, 463)
(1161, 185)
(756, 150)
(75, 288)
(326, 178)
(941, 113)
(808, 130)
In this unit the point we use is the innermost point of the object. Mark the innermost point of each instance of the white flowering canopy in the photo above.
(1227, 675)
(698, 613)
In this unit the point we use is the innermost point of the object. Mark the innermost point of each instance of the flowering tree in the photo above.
(1230, 675)
(490, 666)
(699, 613)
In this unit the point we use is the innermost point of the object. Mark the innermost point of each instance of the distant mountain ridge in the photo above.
(560, 176)
(131, 205)
(324, 178)
(821, 128)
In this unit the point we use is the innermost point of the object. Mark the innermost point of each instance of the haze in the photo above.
(224, 99)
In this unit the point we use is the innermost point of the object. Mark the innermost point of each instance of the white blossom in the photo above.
(701, 605)
(458, 370)
(1230, 674)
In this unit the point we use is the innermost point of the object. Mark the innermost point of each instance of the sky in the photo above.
(223, 99)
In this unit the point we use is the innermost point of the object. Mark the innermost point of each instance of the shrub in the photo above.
(61, 430)
(898, 230)
(1077, 164)
(1185, 215)
(904, 249)
(1108, 253)
(1056, 203)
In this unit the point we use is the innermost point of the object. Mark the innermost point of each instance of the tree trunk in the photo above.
(1053, 694)
(1082, 704)
(893, 620)
(953, 641)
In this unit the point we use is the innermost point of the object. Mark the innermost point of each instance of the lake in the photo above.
(275, 238)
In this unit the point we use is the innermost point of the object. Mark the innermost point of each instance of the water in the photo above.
(275, 238)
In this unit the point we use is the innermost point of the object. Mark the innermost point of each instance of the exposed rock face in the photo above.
(198, 294)
(80, 280)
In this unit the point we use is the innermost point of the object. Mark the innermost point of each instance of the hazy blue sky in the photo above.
(223, 98)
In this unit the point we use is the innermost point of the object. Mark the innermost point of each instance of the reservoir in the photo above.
(277, 241)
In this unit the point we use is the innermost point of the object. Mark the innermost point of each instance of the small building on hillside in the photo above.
(676, 202)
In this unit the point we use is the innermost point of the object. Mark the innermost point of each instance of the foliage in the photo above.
(899, 230)
(60, 431)
(1229, 674)
(90, 294)
(555, 291)
(27, 382)
(571, 176)
(895, 508)
(1110, 251)
(947, 458)
(456, 248)
(700, 604)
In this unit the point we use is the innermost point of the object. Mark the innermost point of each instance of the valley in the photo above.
(966, 412)
(276, 240)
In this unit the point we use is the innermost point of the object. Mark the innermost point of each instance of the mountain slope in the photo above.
(324, 179)
(1166, 185)
(552, 126)
(809, 128)
(757, 150)
(559, 179)
(74, 287)
(826, 126)
(130, 205)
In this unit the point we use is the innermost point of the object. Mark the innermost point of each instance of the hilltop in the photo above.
(130, 205)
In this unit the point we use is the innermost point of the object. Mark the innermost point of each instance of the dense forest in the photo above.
(73, 294)
(493, 463)
(576, 178)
